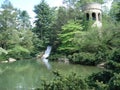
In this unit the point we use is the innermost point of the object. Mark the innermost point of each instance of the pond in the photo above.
(27, 74)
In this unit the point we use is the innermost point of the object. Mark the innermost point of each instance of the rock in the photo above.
(101, 65)
(11, 60)
(4, 61)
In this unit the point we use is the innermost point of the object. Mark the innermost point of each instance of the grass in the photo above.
(27, 75)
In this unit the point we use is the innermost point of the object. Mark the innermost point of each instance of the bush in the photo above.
(3, 54)
(116, 55)
(60, 82)
(83, 58)
(103, 76)
(100, 79)
(101, 86)
(114, 60)
(113, 66)
(114, 83)
(18, 52)
(54, 57)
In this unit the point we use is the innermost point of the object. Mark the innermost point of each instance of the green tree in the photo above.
(69, 31)
(64, 14)
(43, 22)
(24, 20)
(26, 38)
(8, 19)
(115, 8)
(60, 20)
(10, 36)
(118, 13)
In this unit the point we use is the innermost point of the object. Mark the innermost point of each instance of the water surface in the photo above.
(27, 75)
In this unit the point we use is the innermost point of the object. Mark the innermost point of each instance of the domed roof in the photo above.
(92, 6)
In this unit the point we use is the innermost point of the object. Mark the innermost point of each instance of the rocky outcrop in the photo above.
(10, 60)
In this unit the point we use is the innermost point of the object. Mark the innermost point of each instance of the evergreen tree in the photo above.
(24, 20)
(43, 22)
(10, 36)
(8, 19)
(118, 13)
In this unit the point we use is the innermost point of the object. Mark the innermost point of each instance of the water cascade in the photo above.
(45, 55)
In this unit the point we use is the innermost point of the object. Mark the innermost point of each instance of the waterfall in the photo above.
(45, 55)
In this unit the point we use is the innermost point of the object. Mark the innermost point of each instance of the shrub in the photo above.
(60, 82)
(3, 54)
(100, 79)
(114, 83)
(101, 86)
(114, 60)
(116, 55)
(54, 57)
(113, 66)
(83, 58)
(18, 52)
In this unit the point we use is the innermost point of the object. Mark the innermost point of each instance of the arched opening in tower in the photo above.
(93, 16)
(87, 16)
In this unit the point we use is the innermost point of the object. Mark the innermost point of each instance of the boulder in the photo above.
(11, 60)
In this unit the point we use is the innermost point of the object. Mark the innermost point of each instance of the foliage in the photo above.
(24, 22)
(13, 34)
(60, 82)
(3, 51)
(38, 45)
(114, 83)
(64, 14)
(61, 18)
(26, 37)
(67, 36)
(54, 57)
(98, 42)
(62, 28)
(109, 79)
(116, 56)
(114, 61)
(3, 54)
(118, 13)
(101, 86)
(83, 58)
(43, 22)
(100, 80)
(7, 23)
(18, 52)
(106, 80)
(115, 11)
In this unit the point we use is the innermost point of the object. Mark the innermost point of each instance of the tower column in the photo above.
(97, 17)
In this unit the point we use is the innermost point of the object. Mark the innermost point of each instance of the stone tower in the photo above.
(93, 11)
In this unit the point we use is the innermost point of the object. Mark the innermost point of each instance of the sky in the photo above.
(28, 5)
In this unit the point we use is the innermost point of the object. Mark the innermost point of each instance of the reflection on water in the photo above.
(47, 64)
(45, 55)
(27, 75)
